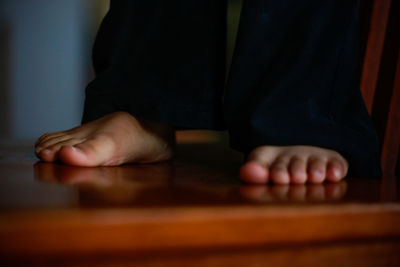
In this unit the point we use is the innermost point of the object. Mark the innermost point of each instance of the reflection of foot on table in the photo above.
(295, 193)
(170, 182)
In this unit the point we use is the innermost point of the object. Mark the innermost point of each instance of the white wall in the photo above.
(50, 64)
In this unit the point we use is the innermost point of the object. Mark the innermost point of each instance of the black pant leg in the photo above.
(293, 81)
(162, 61)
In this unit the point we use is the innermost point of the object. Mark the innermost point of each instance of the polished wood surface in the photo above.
(374, 49)
(190, 209)
(194, 211)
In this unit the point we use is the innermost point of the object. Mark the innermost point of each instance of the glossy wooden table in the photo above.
(191, 211)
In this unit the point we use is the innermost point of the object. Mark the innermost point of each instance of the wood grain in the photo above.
(374, 50)
(138, 230)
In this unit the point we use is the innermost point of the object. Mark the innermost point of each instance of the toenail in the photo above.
(76, 149)
(336, 173)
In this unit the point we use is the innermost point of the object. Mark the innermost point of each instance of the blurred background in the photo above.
(45, 53)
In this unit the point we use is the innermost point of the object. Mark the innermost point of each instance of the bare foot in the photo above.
(115, 139)
(293, 164)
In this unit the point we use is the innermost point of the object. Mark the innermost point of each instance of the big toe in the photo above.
(90, 153)
(254, 172)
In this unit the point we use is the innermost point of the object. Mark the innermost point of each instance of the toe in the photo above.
(50, 154)
(74, 156)
(50, 142)
(298, 170)
(316, 170)
(47, 136)
(256, 168)
(336, 170)
(279, 171)
(93, 152)
(254, 172)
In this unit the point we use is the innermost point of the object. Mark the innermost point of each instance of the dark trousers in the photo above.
(292, 79)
